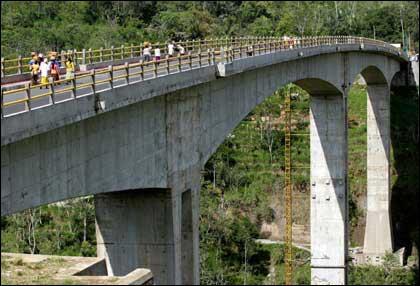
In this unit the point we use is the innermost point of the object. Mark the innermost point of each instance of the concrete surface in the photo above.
(378, 234)
(415, 69)
(150, 228)
(328, 188)
(158, 134)
(74, 112)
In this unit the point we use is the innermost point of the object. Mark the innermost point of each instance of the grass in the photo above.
(14, 271)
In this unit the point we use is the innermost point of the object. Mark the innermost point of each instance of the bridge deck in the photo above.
(25, 97)
(29, 111)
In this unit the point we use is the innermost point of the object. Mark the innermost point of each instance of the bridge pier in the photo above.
(328, 123)
(150, 228)
(378, 234)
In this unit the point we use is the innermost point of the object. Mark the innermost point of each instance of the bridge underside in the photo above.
(152, 151)
(150, 228)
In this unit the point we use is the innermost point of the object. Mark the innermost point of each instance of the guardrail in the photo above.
(20, 65)
(235, 48)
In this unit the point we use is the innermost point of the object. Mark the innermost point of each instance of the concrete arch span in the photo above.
(162, 143)
(207, 113)
(143, 144)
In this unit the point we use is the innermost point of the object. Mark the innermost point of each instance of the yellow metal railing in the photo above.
(88, 56)
(20, 65)
(199, 54)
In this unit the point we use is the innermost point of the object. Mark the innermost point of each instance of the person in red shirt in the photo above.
(55, 69)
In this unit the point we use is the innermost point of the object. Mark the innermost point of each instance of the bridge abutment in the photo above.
(328, 189)
(150, 228)
(378, 233)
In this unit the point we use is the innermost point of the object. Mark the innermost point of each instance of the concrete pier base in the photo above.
(328, 190)
(153, 229)
(378, 234)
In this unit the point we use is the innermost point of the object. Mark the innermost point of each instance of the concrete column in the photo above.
(415, 69)
(190, 246)
(378, 235)
(142, 228)
(328, 190)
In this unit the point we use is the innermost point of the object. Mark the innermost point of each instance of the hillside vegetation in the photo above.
(242, 183)
(62, 25)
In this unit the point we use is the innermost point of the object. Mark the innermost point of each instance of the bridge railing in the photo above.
(91, 56)
(20, 65)
(200, 54)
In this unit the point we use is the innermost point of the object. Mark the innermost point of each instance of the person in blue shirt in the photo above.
(32, 61)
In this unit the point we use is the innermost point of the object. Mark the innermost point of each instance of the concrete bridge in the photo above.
(139, 147)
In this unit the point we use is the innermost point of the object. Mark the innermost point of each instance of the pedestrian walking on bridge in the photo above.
(55, 69)
(147, 55)
(157, 52)
(250, 51)
(171, 47)
(181, 49)
(35, 71)
(69, 69)
(33, 59)
(44, 67)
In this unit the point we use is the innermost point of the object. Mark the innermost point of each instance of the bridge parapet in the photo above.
(222, 52)
(17, 66)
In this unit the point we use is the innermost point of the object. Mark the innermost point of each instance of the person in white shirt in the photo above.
(171, 49)
(147, 56)
(44, 68)
(181, 49)
(157, 53)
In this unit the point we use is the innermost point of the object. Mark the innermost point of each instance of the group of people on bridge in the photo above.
(39, 65)
(172, 48)
(43, 67)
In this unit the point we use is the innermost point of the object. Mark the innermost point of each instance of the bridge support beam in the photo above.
(378, 234)
(155, 229)
(328, 125)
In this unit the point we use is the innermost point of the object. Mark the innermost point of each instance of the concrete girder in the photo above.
(159, 136)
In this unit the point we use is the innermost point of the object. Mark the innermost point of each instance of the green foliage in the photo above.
(55, 229)
(375, 275)
(40, 25)
(227, 244)
(242, 177)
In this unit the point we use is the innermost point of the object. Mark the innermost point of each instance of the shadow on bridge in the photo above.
(405, 169)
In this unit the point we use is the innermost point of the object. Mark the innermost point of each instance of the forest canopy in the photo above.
(43, 25)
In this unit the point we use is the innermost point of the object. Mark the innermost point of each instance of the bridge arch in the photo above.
(317, 87)
(373, 76)
(177, 132)
(328, 155)
(377, 76)
(374, 68)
